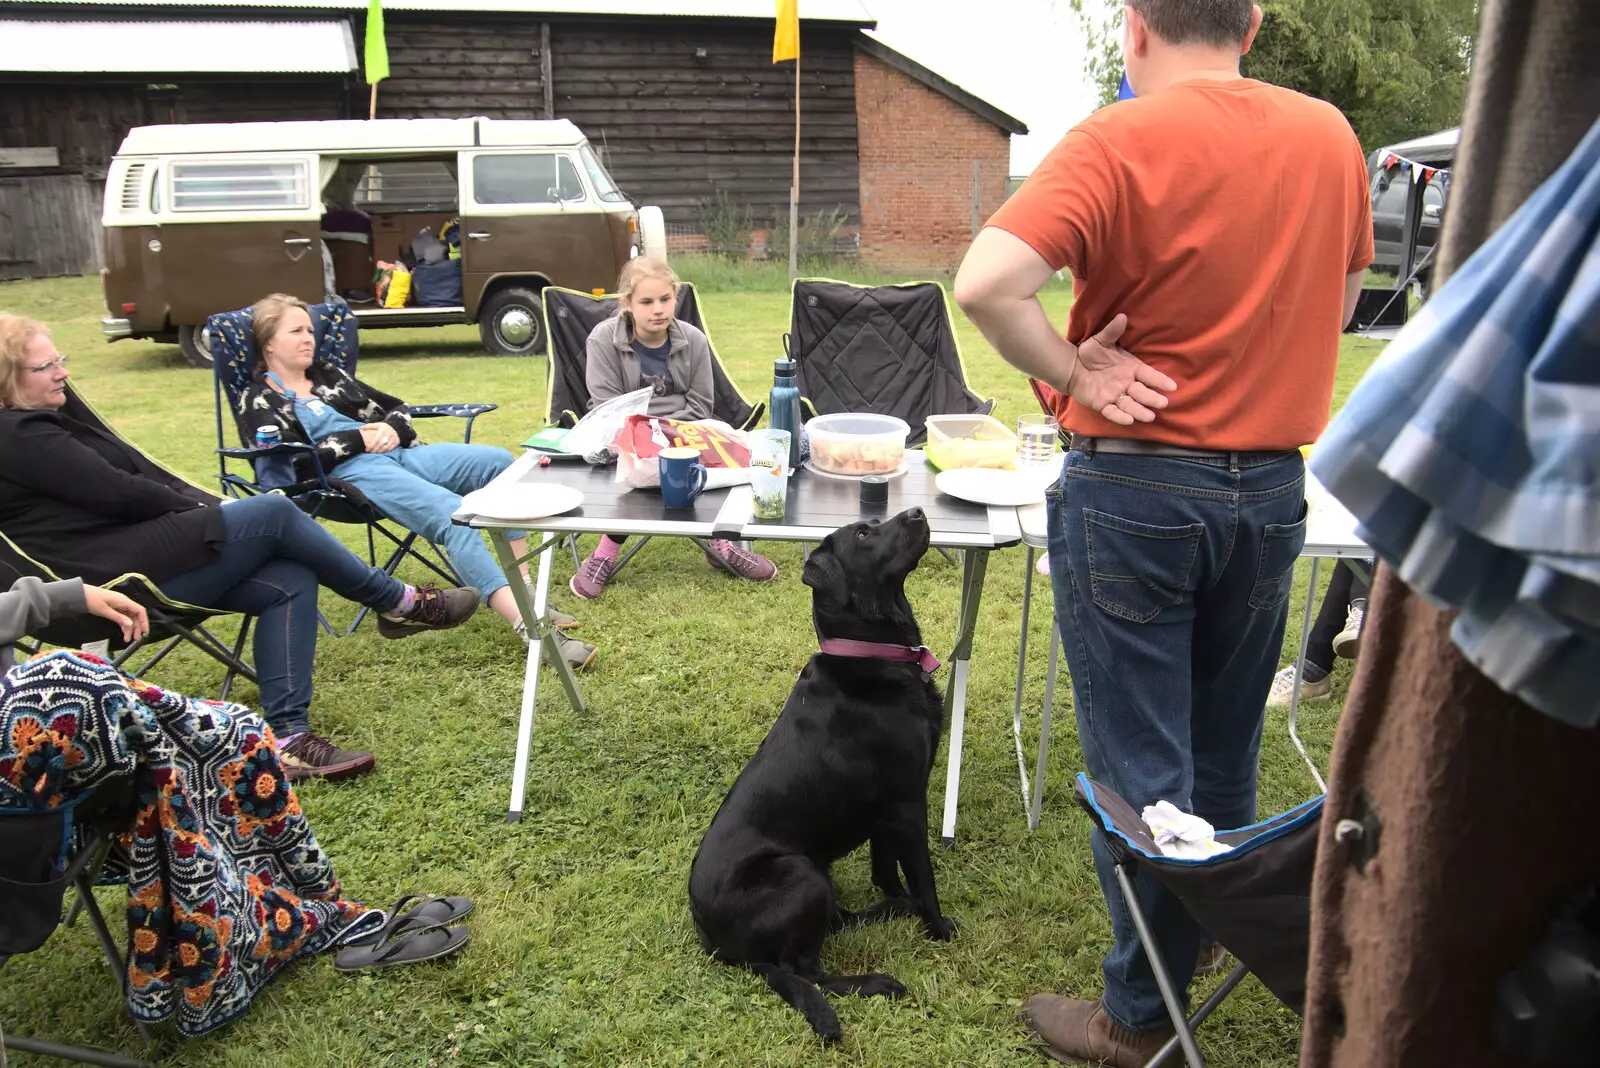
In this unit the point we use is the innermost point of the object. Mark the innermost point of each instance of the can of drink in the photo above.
(267, 436)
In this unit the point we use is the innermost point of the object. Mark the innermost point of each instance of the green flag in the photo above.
(377, 49)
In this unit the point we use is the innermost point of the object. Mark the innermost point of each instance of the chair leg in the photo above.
(1158, 965)
(953, 558)
(1200, 1014)
(238, 654)
(67, 1053)
(572, 544)
(635, 544)
(213, 648)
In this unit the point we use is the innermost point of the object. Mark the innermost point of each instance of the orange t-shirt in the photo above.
(1222, 218)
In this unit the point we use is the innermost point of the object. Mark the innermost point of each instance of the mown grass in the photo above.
(583, 952)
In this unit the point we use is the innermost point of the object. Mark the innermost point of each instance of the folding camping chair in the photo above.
(233, 352)
(35, 873)
(569, 318)
(1255, 900)
(890, 350)
(172, 623)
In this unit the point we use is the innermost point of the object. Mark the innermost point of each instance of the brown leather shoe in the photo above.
(1080, 1032)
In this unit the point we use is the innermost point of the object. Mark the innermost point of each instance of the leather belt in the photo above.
(1140, 447)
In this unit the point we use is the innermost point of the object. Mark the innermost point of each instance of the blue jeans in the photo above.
(421, 488)
(270, 565)
(1172, 580)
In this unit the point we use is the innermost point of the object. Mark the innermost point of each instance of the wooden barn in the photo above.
(683, 105)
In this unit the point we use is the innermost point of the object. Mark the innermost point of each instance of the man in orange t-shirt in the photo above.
(1216, 229)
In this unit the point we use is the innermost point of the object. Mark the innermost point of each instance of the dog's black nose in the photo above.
(916, 513)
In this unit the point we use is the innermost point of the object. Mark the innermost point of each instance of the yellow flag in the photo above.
(786, 40)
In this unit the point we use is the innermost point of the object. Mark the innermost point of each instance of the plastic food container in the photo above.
(848, 444)
(956, 441)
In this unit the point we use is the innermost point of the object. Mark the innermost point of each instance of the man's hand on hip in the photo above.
(1114, 382)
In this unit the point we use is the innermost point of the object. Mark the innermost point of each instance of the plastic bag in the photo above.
(399, 288)
(596, 432)
(722, 450)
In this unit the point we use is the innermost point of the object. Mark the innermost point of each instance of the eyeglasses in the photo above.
(45, 368)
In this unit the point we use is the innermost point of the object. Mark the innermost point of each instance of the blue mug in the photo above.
(683, 476)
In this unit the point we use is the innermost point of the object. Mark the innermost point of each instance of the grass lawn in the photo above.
(582, 951)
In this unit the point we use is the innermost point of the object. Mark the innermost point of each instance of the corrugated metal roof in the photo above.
(851, 11)
(44, 46)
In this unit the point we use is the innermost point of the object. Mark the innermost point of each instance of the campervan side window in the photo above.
(536, 178)
(242, 185)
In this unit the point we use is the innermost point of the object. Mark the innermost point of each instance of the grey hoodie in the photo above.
(31, 604)
(613, 369)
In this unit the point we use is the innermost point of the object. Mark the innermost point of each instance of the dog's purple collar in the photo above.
(920, 655)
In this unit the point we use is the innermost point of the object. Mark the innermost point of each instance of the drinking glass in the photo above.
(1036, 440)
(769, 472)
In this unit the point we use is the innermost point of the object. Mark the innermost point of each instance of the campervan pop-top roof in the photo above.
(348, 136)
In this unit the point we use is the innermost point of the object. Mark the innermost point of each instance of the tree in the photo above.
(1396, 68)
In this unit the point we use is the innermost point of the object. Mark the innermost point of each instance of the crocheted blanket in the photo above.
(226, 883)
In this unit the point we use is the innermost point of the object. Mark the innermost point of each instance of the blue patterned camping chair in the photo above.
(233, 352)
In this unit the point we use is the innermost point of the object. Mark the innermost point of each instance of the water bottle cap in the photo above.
(783, 366)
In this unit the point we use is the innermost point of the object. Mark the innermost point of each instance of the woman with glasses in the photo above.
(88, 505)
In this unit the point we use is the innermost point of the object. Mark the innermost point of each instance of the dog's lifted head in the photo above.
(858, 575)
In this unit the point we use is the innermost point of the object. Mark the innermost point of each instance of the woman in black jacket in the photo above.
(88, 505)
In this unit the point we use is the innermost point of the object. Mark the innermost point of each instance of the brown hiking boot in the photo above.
(311, 756)
(1080, 1032)
(433, 609)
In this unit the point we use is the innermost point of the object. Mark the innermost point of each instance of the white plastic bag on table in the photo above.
(645, 472)
(595, 432)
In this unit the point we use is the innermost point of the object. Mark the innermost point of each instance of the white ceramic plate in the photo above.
(522, 502)
(981, 485)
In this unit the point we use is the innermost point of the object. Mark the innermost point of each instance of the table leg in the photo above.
(1299, 667)
(1037, 808)
(1022, 662)
(541, 636)
(975, 564)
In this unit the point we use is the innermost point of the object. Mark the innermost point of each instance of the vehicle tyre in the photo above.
(195, 346)
(511, 323)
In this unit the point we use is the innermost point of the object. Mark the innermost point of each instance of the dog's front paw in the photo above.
(886, 986)
(941, 929)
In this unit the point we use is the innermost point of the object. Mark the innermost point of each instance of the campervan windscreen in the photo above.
(603, 185)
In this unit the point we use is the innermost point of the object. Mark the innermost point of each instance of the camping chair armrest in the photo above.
(290, 448)
(469, 412)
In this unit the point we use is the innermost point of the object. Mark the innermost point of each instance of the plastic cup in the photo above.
(769, 472)
(1037, 434)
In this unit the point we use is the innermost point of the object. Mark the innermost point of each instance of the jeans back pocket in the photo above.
(1280, 549)
(1137, 569)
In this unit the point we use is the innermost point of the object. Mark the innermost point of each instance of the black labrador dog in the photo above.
(846, 762)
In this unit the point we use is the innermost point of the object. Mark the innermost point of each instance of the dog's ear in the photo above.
(823, 571)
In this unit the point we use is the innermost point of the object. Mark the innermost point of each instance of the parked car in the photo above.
(1389, 187)
(205, 218)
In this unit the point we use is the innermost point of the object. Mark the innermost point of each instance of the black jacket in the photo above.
(262, 405)
(88, 505)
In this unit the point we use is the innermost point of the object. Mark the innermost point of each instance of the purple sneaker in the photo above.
(590, 581)
(741, 562)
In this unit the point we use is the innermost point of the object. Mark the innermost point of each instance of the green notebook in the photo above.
(549, 439)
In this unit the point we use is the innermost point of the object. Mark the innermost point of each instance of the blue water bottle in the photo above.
(783, 406)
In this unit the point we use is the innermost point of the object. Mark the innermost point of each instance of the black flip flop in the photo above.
(428, 910)
(417, 944)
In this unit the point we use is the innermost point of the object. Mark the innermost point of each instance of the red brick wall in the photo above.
(917, 152)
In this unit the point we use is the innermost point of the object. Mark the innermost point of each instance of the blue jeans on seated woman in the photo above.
(1172, 579)
(270, 565)
(421, 488)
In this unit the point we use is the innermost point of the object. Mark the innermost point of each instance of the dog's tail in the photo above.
(804, 997)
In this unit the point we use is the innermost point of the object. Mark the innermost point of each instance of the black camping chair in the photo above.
(35, 872)
(569, 318)
(233, 352)
(172, 623)
(889, 350)
(1255, 900)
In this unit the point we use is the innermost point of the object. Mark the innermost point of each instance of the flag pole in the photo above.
(372, 109)
(794, 188)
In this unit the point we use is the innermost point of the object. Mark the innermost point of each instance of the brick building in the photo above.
(935, 162)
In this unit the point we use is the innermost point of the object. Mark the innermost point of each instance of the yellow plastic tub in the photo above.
(957, 441)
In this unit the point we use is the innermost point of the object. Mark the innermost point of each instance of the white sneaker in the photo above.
(1283, 688)
(1347, 643)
